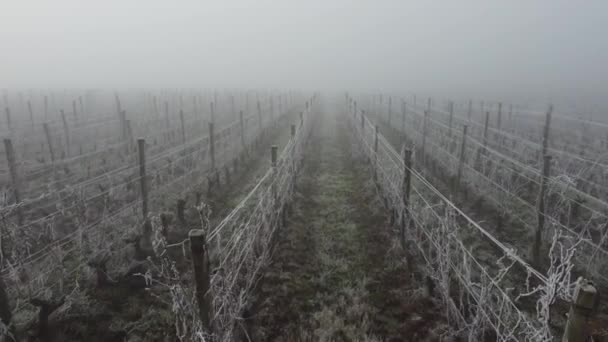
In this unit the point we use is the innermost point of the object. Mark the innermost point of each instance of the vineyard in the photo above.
(183, 215)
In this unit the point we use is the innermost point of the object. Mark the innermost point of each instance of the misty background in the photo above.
(520, 51)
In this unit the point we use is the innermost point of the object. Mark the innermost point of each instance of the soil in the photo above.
(337, 272)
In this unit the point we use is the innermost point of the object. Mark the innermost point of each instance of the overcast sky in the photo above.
(542, 48)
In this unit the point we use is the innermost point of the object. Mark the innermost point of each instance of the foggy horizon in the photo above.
(546, 51)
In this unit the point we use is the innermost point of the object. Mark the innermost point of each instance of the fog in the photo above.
(513, 50)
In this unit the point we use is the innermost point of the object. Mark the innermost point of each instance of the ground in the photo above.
(337, 272)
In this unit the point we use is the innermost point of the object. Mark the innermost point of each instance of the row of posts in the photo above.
(585, 299)
(200, 250)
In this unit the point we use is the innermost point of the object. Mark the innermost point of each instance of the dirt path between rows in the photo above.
(337, 273)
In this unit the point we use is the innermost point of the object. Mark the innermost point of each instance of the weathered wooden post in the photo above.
(49, 141)
(259, 107)
(407, 181)
(428, 105)
(424, 123)
(543, 185)
(485, 131)
(232, 106)
(167, 122)
(390, 109)
(212, 145)
(31, 112)
(582, 310)
(181, 119)
(200, 264)
(119, 114)
(66, 132)
(75, 113)
(46, 107)
(8, 119)
(6, 314)
(141, 144)
(541, 210)
(470, 111)
(12, 167)
(406, 218)
(499, 116)
(242, 121)
(301, 118)
(82, 113)
(546, 130)
(451, 118)
(123, 125)
(461, 160)
(155, 106)
(376, 153)
(273, 161)
(362, 121)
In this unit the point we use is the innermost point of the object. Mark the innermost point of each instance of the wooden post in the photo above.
(301, 118)
(499, 117)
(212, 146)
(451, 105)
(49, 141)
(470, 111)
(75, 113)
(12, 166)
(5, 306)
(155, 106)
(82, 113)
(273, 155)
(407, 176)
(123, 124)
(31, 112)
(463, 149)
(293, 157)
(46, 107)
(141, 144)
(181, 119)
(167, 123)
(8, 119)
(407, 181)
(485, 131)
(390, 109)
(200, 264)
(426, 114)
(376, 139)
(541, 210)
(428, 105)
(581, 311)
(376, 153)
(362, 121)
(232, 107)
(66, 131)
(546, 130)
(242, 129)
(273, 161)
(260, 117)
(119, 113)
